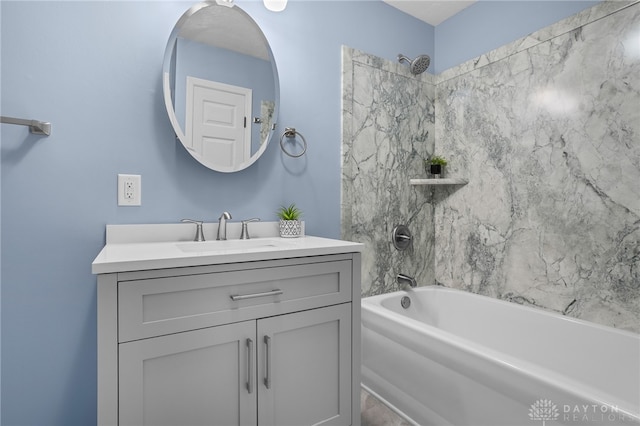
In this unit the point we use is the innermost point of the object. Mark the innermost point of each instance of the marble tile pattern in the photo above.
(566, 25)
(388, 129)
(547, 132)
(267, 109)
(549, 139)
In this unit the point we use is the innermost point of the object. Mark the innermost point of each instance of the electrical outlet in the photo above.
(129, 190)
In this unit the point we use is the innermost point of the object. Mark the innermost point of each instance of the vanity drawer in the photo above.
(165, 305)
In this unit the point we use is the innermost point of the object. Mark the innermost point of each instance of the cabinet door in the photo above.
(304, 368)
(201, 377)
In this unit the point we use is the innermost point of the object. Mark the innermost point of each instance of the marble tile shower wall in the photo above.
(549, 138)
(388, 129)
(547, 131)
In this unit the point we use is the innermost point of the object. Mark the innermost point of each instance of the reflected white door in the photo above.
(217, 121)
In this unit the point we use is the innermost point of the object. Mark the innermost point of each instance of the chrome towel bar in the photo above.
(35, 126)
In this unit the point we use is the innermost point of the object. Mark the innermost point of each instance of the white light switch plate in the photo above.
(129, 190)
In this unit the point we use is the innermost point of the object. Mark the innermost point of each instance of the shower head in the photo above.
(418, 65)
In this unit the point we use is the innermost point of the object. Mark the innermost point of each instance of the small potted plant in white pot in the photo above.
(436, 165)
(290, 225)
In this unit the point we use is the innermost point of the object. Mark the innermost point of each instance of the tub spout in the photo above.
(405, 280)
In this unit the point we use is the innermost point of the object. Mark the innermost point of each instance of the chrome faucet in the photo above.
(404, 280)
(222, 226)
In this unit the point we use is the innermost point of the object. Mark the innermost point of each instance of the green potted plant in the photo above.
(290, 225)
(436, 165)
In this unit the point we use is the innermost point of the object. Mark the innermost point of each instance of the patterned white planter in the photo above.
(290, 228)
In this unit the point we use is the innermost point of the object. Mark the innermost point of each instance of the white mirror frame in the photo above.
(166, 83)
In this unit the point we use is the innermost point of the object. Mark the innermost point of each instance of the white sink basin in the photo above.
(232, 245)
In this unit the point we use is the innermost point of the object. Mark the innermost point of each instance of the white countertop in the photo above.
(132, 254)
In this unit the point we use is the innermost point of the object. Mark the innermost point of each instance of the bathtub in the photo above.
(457, 358)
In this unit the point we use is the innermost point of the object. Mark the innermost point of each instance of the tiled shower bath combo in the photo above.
(546, 131)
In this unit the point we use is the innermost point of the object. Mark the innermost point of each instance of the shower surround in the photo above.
(547, 132)
(388, 129)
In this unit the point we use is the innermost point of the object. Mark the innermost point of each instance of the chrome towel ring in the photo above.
(291, 132)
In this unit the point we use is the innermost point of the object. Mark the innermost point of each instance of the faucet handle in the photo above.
(244, 235)
(199, 234)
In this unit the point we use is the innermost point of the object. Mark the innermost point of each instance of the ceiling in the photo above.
(432, 12)
(226, 28)
(220, 26)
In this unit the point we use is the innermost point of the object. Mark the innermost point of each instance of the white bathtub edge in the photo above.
(533, 372)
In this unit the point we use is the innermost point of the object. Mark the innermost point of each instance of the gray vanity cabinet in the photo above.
(253, 343)
(191, 378)
(309, 359)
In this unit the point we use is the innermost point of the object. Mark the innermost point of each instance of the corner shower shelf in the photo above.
(445, 181)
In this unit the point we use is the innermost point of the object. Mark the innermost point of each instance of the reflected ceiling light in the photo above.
(632, 45)
(275, 5)
(556, 101)
(228, 3)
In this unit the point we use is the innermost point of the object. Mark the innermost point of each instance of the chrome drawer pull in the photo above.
(236, 297)
(267, 378)
(250, 365)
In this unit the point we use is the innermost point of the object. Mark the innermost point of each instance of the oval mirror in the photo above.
(220, 85)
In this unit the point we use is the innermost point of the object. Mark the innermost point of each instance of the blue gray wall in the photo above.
(94, 70)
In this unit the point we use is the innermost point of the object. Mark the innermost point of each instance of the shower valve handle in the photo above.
(401, 237)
